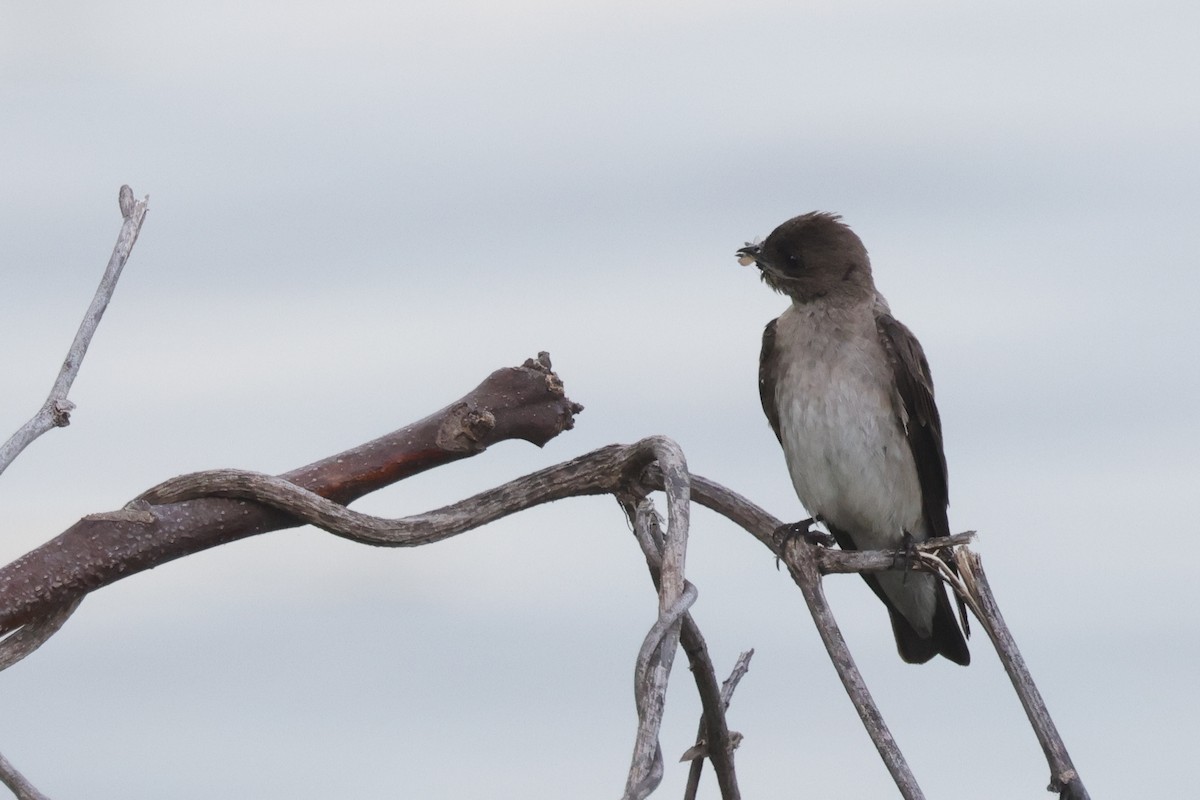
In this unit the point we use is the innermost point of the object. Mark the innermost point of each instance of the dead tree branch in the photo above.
(645, 523)
(626, 471)
(194, 512)
(973, 587)
(190, 513)
(56, 411)
(801, 560)
(725, 741)
(609, 470)
(524, 402)
(639, 510)
(665, 554)
(21, 788)
(812, 562)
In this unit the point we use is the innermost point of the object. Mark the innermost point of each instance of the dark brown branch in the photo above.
(524, 402)
(33, 635)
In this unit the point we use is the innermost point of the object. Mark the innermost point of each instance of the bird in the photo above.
(847, 390)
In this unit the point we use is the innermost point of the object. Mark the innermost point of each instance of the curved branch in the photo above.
(713, 700)
(525, 402)
(605, 470)
(624, 471)
(665, 554)
(801, 560)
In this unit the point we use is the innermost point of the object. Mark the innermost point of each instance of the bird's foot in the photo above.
(802, 529)
(907, 554)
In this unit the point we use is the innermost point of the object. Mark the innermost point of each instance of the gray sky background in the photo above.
(358, 210)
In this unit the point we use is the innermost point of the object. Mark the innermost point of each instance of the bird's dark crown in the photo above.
(813, 256)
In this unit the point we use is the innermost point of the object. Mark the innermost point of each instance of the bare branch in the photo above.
(740, 668)
(972, 586)
(665, 555)
(801, 560)
(665, 552)
(723, 740)
(32, 636)
(524, 402)
(56, 411)
(639, 510)
(22, 788)
(628, 472)
(978, 593)
(846, 561)
(607, 470)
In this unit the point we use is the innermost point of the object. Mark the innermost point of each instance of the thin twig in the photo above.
(725, 741)
(56, 411)
(740, 668)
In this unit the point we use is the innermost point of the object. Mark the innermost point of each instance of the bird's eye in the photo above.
(792, 263)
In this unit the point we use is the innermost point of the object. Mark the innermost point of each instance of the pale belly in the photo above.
(846, 448)
(847, 453)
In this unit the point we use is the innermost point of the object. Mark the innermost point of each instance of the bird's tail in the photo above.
(946, 640)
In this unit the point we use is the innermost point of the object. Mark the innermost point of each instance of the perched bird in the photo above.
(847, 390)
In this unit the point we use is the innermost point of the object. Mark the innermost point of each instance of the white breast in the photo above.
(846, 450)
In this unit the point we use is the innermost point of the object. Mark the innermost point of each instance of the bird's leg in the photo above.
(908, 552)
(804, 530)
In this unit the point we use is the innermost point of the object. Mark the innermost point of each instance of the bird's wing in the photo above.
(768, 374)
(919, 416)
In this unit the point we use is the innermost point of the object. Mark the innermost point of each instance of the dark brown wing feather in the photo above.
(923, 428)
(914, 383)
(768, 374)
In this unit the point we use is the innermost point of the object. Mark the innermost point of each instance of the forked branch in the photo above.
(808, 563)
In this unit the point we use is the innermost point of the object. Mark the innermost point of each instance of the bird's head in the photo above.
(813, 256)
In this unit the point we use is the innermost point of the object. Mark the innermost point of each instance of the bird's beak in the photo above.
(749, 254)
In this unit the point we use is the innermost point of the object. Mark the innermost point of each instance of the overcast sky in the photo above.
(358, 210)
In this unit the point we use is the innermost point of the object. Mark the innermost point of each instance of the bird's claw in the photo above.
(907, 555)
(803, 530)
